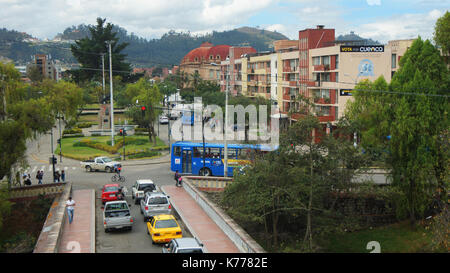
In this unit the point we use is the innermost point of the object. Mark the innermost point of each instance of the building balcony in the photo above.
(322, 100)
(326, 118)
(321, 67)
(312, 84)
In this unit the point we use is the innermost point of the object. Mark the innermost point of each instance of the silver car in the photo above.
(155, 203)
(116, 215)
(184, 245)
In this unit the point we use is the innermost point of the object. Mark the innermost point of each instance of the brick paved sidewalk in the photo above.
(80, 235)
(198, 222)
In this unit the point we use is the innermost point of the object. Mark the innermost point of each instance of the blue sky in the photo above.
(381, 20)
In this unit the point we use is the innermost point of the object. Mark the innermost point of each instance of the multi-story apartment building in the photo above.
(317, 67)
(46, 66)
(233, 68)
(335, 70)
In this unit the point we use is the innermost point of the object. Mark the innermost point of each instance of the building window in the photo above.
(322, 111)
(211, 57)
(326, 60)
(394, 60)
(337, 77)
(211, 73)
(316, 60)
(337, 61)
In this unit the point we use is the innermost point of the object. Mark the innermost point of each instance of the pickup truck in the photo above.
(141, 187)
(101, 163)
(116, 215)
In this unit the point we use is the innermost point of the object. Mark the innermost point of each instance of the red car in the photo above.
(110, 192)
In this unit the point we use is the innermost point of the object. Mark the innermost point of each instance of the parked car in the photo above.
(155, 203)
(101, 163)
(142, 186)
(116, 215)
(110, 192)
(183, 245)
(163, 228)
(163, 120)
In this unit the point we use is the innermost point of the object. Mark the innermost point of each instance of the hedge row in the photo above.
(72, 131)
(85, 124)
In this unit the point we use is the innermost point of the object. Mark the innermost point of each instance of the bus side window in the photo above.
(231, 153)
(177, 151)
(198, 152)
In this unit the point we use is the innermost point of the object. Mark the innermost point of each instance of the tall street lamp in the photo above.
(111, 93)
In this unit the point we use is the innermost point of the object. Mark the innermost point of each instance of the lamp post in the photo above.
(111, 93)
(355, 137)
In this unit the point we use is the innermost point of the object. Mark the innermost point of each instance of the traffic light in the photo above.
(53, 160)
(143, 111)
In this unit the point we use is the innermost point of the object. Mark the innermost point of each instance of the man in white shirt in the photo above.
(70, 204)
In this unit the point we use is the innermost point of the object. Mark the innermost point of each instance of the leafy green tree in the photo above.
(88, 52)
(293, 182)
(147, 95)
(442, 34)
(34, 74)
(409, 125)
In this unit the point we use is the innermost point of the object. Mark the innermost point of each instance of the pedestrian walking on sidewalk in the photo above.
(70, 204)
(39, 176)
(63, 176)
(57, 176)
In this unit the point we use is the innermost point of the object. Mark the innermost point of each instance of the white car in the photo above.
(163, 120)
(140, 187)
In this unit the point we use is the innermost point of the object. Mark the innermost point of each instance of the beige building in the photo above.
(335, 70)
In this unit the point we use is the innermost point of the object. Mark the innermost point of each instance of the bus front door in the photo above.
(187, 161)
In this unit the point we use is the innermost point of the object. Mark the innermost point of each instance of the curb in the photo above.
(93, 222)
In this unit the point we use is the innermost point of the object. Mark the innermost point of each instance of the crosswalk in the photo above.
(45, 168)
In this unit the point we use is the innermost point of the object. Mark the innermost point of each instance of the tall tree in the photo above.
(88, 51)
(409, 123)
(148, 96)
(293, 182)
(442, 35)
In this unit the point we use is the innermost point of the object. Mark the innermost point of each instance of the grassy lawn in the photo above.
(395, 238)
(83, 153)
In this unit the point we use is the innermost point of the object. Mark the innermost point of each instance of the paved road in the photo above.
(136, 240)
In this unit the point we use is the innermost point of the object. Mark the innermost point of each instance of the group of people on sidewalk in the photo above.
(59, 177)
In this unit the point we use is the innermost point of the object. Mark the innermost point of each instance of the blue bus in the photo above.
(187, 157)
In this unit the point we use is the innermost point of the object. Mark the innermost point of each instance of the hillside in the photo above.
(166, 51)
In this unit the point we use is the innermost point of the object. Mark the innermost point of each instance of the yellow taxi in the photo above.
(163, 228)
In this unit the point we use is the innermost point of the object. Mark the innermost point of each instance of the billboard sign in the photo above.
(363, 49)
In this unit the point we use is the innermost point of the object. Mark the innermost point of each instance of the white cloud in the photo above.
(374, 2)
(149, 19)
(406, 26)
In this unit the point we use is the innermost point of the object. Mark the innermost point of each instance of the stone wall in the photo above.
(48, 240)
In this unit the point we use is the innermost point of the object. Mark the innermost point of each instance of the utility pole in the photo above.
(60, 140)
(103, 73)
(111, 94)
(168, 126)
(225, 163)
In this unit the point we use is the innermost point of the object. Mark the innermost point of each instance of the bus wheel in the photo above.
(205, 172)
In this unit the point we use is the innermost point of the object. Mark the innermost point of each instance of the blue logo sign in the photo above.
(365, 68)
